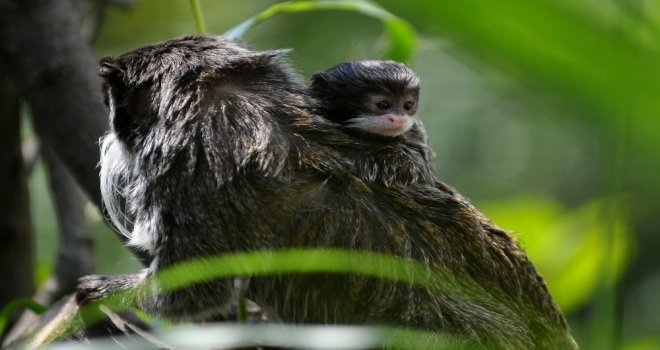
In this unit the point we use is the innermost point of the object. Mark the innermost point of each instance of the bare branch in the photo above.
(16, 263)
(128, 327)
(75, 258)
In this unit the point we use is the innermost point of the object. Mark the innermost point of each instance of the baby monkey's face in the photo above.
(385, 114)
(375, 97)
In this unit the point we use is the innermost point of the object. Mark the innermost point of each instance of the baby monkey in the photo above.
(372, 97)
(375, 105)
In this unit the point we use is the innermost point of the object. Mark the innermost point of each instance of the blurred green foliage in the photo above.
(556, 98)
(568, 246)
(8, 310)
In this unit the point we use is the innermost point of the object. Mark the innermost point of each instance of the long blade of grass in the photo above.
(316, 261)
(331, 261)
(325, 261)
(298, 261)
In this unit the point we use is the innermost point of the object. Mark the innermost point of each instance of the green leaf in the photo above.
(298, 261)
(8, 310)
(402, 36)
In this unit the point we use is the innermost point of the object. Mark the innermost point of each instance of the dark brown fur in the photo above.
(213, 149)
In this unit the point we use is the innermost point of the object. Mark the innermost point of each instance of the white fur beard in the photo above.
(377, 125)
(122, 190)
(116, 180)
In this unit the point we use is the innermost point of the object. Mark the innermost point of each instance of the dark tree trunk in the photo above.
(54, 69)
(16, 247)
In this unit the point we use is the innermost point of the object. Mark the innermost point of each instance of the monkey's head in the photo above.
(187, 116)
(376, 97)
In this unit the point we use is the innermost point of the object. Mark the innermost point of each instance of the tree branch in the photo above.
(16, 264)
(75, 258)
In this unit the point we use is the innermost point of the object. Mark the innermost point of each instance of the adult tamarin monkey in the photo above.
(214, 148)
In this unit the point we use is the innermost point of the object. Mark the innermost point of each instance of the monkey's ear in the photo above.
(111, 70)
(319, 78)
(108, 66)
(112, 74)
(128, 105)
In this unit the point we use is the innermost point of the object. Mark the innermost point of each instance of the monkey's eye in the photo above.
(408, 105)
(383, 105)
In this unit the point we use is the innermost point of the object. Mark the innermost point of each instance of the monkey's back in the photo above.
(487, 288)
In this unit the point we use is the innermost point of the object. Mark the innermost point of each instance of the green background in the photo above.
(545, 114)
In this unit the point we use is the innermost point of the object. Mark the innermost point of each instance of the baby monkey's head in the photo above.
(377, 97)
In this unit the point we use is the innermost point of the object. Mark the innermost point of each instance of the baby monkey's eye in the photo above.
(408, 105)
(383, 105)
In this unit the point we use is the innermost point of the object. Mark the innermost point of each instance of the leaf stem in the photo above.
(197, 15)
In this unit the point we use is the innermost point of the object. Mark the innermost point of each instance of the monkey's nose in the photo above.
(393, 124)
(397, 120)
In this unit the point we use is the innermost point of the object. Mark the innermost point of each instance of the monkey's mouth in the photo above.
(382, 125)
(393, 125)
(395, 128)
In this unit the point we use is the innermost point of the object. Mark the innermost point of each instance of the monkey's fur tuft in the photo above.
(214, 148)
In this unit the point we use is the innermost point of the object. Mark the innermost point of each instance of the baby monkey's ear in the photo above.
(129, 105)
(319, 78)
